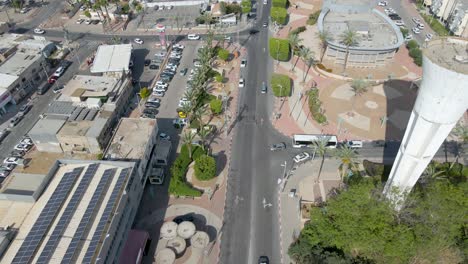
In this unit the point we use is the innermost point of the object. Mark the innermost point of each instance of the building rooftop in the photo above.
(47, 126)
(19, 62)
(450, 53)
(7, 41)
(6, 80)
(81, 87)
(22, 187)
(71, 218)
(130, 138)
(112, 58)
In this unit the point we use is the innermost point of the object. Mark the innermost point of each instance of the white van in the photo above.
(156, 176)
(354, 144)
(265, 2)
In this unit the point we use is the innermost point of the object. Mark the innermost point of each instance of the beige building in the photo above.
(81, 120)
(453, 13)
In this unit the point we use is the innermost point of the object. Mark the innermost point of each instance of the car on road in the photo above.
(278, 146)
(138, 41)
(183, 218)
(24, 10)
(243, 63)
(416, 30)
(428, 37)
(11, 160)
(265, 24)
(164, 136)
(183, 72)
(15, 120)
(44, 88)
(396, 17)
(23, 147)
(354, 144)
(79, 20)
(147, 62)
(59, 71)
(193, 37)
(39, 31)
(159, 94)
(241, 83)
(383, 3)
(301, 157)
(52, 79)
(263, 260)
(253, 31)
(25, 109)
(95, 22)
(3, 134)
(264, 88)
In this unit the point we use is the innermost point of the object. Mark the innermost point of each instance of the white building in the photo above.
(112, 60)
(79, 212)
(441, 102)
(454, 13)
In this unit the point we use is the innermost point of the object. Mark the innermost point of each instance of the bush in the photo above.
(279, 3)
(205, 168)
(279, 49)
(323, 68)
(219, 78)
(246, 6)
(178, 185)
(404, 31)
(315, 107)
(412, 44)
(223, 54)
(281, 85)
(216, 106)
(200, 20)
(414, 53)
(438, 27)
(197, 152)
(279, 14)
(313, 18)
(297, 30)
(233, 9)
(145, 93)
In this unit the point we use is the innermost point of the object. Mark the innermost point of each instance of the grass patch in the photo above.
(297, 31)
(179, 185)
(279, 49)
(279, 14)
(281, 85)
(279, 3)
(438, 27)
(313, 18)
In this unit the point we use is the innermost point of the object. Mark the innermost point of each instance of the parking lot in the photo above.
(178, 16)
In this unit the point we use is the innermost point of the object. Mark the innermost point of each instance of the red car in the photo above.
(52, 79)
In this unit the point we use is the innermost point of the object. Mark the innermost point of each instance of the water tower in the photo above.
(441, 101)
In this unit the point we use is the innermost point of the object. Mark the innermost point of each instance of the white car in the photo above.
(59, 71)
(175, 56)
(428, 37)
(416, 30)
(159, 89)
(193, 37)
(420, 26)
(153, 100)
(408, 37)
(241, 83)
(383, 3)
(399, 23)
(23, 147)
(197, 64)
(27, 141)
(178, 46)
(79, 20)
(301, 157)
(11, 160)
(39, 31)
(243, 63)
(416, 20)
(354, 144)
(164, 136)
(161, 83)
(158, 94)
(138, 41)
(389, 11)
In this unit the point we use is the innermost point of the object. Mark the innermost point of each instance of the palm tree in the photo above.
(348, 157)
(461, 132)
(305, 54)
(203, 134)
(321, 149)
(198, 115)
(294, 42)
(349, 38)
(359, 87)
(324, 37)
(309, 61)
(432, 173)
(208, 18)
(187, 138)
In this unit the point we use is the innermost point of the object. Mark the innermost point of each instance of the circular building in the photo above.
(378, 38)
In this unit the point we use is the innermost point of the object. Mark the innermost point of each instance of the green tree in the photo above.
(309, 60)
(305, 53)
(216, 106)
(17, 4)
(294, 42)
(324, 37)
(145, 93)
(348, 38)
(313, 18)
(205, 168)
(321, 150)
(279, 49)
(348, 158)
(358, 87)
(281, 85)
(279, 15)
(223, 54)
(187, 139)
(87, 14)
(279, 3)
(203, 134)
(246, 6)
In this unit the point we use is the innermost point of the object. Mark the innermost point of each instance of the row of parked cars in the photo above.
(16, 156)
(416, 29)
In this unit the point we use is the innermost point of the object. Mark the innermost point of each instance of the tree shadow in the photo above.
(221, 161)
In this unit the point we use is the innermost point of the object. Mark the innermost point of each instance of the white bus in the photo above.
(306, 141)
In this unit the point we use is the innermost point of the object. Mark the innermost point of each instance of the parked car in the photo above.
(428, 37)
(138, 41)
(162, 84)
(408, 37)
(25, 109)
(58, 88)
(416, 30)
(80, 20)
(95, 22)
(265, 24)
(153, 100)
(183, 72)
(399, 23)
(52, 79)
(7, 167)
(301, 157)
(15, 120)
(147, 62)
(3, 134)
(88, 21)
(193, 37)
(24, 147)
(178, 46)
(166, 78)
(179, 122)
(159, 89)
(416, 20)
(150, 111)
(420, 26)
(383, 3)
(397, 17)
(159, 94)
(27, 141)
(154, 67)
(354, 144)
(4, 173)
(243, 63)
(39, 31)
(44, 88)
(24, 10)
(264, 88)
(11, 160)
(152, 116)
(263, 260)
(164, 136)
(278, 146)
(17, 153)
(241, 83)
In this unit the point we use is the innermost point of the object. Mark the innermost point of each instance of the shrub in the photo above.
(178, 185)
(279, 3)
(216, 106)
(404, 31)
(418, 61)
(205, 168)
(279, 49)
(200, 20)
(197, 151)
(315, 107)
(313, 18)
(145, 93)
(415, 53)
(219, 78)
(223, 54)
(279, 14)
(297, 30)
(281, 85)
(323, 68)
(233, 9)
(412, 44)
(246, 6)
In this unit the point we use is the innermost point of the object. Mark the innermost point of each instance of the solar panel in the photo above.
(75, 113)
(82, 115)
(90, 116)
(40, 227)
(51, 245)
(85, 221)
(106, 216)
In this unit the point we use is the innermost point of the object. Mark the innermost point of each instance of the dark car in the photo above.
(43, 89)
(253, 31)
(264, 88)
(183, 218)
(150, 111)
(147, 62)
(95, 22)
(263, 260)
(278, 146)
(183, 72)
(154, 67)
(151, 105)
(174, 61)
(3, 134)
(165, 78)
(25, 109)
(395, 18)
(17, 153)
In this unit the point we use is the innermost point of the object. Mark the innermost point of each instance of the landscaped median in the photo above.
(279, 49)
(281, 85)
(179, 185)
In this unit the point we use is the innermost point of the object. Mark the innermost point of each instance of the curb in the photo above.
(280, 225)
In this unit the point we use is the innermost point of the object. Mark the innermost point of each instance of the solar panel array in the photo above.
(45, 219)
(106, 216)
(90, 210)
(75, 113)
(92, 113)
(82, 115)
(54, 238)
